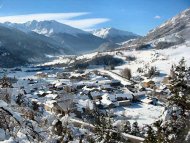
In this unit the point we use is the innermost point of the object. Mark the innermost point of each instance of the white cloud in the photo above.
(85, 24)
(65, 18)
(157, 17)
(40, 17)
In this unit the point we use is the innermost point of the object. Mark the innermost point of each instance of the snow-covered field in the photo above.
(144, 114)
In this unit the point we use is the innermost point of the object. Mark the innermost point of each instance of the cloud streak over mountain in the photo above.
(65, 18)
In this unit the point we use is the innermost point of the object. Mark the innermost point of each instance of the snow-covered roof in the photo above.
(95, 93)
(50, 103)
(105, 100)
(85, 103)
(146, 100)
(53, 96)
(124, 95)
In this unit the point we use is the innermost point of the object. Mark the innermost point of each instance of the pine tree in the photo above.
(135, 129)
(159, 132)
(180, 88)
(151, 136)
(175, 128)
(127, 127)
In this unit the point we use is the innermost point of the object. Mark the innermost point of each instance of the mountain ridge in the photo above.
(114, 35)
(172, 32)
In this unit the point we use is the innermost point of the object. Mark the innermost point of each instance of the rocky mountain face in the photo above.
(173, 32)
(114, 35)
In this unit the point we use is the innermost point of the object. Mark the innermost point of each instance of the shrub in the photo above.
(143, 47)
(164, 45)
(130, 58)
(152, 72)
(126, 72)
(140, 70)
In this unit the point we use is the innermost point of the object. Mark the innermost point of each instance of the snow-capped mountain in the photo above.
(19, 48)
(173, 32)
(76, 40)
(46, 28)
(114, 35)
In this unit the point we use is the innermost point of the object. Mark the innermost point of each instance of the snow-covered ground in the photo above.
(162, 59)
(144, 114)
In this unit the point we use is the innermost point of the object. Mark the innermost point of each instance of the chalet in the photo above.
(106, 102)
(16, 69)
(106, 87)
(52, 87)
(59, 107)
(48, 105)
(78, 112)
(83, 106)
(147, 100)
(63, 107)
(79, 85)
(69, 88)
(63, 75)
(32, 81)
(43, 93)
(124, 96)
(148, 84)
(137, 79)
(109, 67)
(115, 83)
(103, 80)
(131, 88)
(166, 80)
(138, 96)
(77, 78)
(79, 71)
(90, 88)
(96, 95)
(41, 75)
(124, 103)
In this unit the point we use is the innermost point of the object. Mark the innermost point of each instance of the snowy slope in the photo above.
(173, 32)
(111, 32)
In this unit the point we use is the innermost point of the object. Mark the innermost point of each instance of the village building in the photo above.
(124, 96)
(148, 84)
(62, 75)
(41, 75)
(124, 103)
(115, 83)
(138, 95)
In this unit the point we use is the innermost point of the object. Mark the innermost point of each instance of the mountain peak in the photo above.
(111, 32)
(46, 27)
(114, 35)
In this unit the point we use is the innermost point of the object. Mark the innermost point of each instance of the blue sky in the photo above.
(138, 16)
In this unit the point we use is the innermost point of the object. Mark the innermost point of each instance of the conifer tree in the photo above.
(135, 129)
(180, 88)
(151, 136)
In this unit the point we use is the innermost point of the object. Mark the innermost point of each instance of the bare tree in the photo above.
(126, 72)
